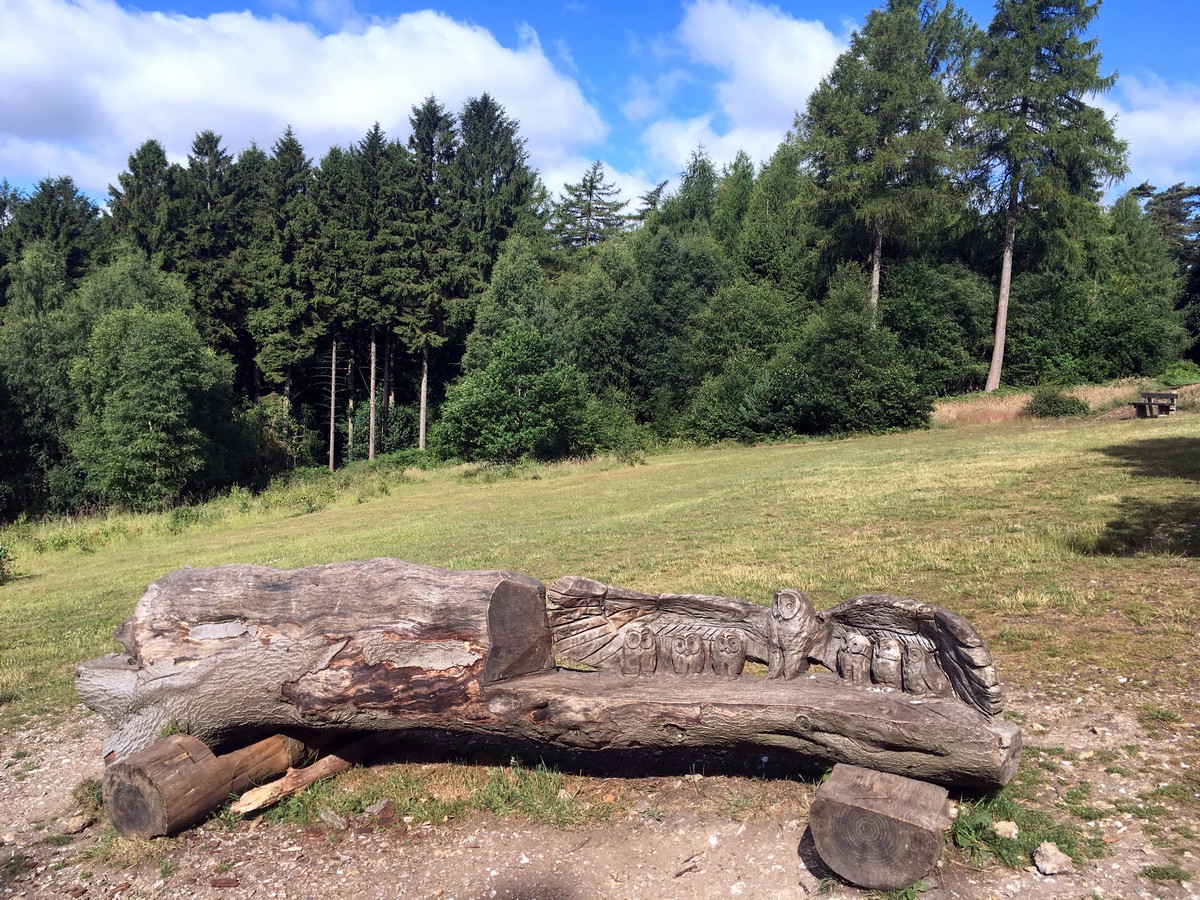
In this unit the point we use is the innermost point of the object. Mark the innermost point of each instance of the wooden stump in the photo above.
(177, 781)
(876, 830)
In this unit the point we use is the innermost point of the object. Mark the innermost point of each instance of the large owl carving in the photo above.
(793, 633)
(687, 654)
(728, 653)
(639, 652)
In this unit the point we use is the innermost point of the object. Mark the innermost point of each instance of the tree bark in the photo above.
(238, 651)
(332, 402)
(297, 780)
(424, 395)
(371, 411)
(876, 830)
(876, 269)
(1006, 264)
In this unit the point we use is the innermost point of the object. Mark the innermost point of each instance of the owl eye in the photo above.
(680, 644)
(693, 643)
(632, 639)
(647, 639)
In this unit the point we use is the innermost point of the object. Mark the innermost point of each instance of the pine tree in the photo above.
(589, 211)
(437, 266)
(1040, 148)
(876, 132)
(141, 208)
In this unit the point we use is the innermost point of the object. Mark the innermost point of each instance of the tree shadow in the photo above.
(1147, 528)
(1164, 457)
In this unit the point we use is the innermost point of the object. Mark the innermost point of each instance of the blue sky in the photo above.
(637, 85)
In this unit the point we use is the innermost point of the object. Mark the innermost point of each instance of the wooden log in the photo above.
(386, 646)
(237, 651)
(296, 780)
(876, 830)
(178, 781)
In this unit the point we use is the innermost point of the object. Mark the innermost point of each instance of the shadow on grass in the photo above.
(1167, 457)
(1146, 528)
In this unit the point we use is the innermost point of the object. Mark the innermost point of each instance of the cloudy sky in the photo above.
(638, 85)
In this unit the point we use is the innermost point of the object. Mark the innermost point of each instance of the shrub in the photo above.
(522, 405)
(6, 564)
(1179, 373)
(1049, 402)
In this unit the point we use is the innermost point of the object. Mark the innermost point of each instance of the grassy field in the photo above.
(1067, 543)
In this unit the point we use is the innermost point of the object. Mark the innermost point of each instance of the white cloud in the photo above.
(648, 98)
(631, 183)
(769, 62)
(86, 82)
(1161, 122)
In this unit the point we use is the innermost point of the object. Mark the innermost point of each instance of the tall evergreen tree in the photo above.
(497, 188)
(144, 209)
(877, 130)
(438, 270)
(589, 211)
(1040, 148)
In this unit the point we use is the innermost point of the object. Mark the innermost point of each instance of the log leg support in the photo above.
(177, 781)
(876, 830)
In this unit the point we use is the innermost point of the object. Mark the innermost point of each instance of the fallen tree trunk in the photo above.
(384, 645)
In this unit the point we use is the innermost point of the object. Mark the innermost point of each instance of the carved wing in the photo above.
(938, 642)
(589, 619)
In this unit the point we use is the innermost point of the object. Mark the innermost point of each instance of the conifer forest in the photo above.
(938, 220)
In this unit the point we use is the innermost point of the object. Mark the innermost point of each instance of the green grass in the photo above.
(1031, 531)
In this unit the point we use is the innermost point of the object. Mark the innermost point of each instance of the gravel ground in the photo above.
(690, 850)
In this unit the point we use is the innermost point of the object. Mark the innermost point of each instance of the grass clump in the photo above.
(974, 832)
(1166, 873)
(1051, 402)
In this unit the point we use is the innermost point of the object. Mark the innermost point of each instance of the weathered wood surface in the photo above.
(235, 652)
(295, 780)
(814, 720)
(874, 639)
(877, 830)
(238, 651)
(177, 781)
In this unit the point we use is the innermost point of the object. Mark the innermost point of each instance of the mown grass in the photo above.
(1059, 541)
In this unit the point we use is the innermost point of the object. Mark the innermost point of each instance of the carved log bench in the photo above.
(237, 652)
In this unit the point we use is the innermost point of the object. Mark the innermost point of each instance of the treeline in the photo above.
(934, 214)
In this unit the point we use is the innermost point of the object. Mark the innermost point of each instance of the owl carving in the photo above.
(854, 659)
(728, 654)
(639, 652)
(793, 634)
(687, 654)
(885, 665)
(923, 677)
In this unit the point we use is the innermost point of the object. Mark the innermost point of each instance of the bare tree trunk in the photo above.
(1010, 239)
(385, 419)
(424, 394)
(371, 427)
(876, 267)
(332, 402)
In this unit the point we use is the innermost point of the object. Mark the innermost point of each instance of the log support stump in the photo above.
(876, 830)
(177, 781)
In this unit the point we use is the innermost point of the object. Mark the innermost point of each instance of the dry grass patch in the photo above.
(1009, 406)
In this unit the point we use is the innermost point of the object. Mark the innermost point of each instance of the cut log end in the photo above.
(876, 830)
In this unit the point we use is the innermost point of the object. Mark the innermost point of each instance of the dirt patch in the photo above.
(1121, 763)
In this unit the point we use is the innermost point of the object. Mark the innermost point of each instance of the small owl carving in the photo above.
(923, 677)
(885, 665)
(639, 652)
(728, 654)
(687, 654)
(854, 659)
